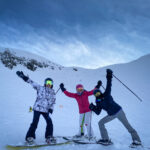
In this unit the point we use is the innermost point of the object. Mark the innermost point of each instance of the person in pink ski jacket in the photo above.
(81, 97)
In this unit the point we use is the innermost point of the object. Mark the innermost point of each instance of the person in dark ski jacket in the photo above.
(43, 106)
(104, 101)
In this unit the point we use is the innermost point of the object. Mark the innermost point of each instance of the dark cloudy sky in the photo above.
(85, 33)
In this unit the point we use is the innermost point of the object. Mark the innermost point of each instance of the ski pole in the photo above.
(103, 87)
(57, 90)
(129, 89)
(90, 126)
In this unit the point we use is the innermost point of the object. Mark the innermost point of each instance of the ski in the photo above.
(91, 142)
(71, 138)
(81, 140)
(19, 147)
(140, 146)
(84, 142)
(145, 147)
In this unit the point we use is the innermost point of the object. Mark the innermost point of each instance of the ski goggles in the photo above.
(97, 94)
(80, 89)
(49, 82)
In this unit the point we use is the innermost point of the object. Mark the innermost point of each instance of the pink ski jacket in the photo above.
(82, 100)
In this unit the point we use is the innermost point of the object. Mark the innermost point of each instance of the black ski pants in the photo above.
(34, 124)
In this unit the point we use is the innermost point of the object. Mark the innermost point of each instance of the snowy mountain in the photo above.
(17, 96)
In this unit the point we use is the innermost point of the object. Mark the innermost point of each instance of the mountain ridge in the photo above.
(46, 62)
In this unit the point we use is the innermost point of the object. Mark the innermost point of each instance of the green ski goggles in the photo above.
(49, 82)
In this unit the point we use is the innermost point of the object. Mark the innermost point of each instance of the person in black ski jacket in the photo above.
(104, 101)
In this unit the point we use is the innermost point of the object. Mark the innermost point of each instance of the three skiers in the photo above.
(43, 106)
(81, 97)
(104, 101)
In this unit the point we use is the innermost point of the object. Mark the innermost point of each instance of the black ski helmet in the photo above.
(47, 80)
(97, 91)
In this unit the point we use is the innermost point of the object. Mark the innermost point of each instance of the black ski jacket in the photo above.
(106, 102)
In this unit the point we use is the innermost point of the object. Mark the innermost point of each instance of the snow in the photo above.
(16, 97)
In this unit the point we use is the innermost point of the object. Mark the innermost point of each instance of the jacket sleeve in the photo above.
(34, 84)
(97, 109)
(73, 95)
(108, 87)
(89, 93)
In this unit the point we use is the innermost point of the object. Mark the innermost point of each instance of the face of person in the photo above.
(97, 94)
(80, 90)
(49, 83)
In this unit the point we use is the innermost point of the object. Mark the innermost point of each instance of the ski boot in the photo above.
(79, 135)
(104, 142)
(50, 140)
(30, 141)
(135, 144)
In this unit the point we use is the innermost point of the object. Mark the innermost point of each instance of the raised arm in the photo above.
(109, 82)
(33, 84)
(89, 93)
(69, 94)
(99, 83)
(26, 79)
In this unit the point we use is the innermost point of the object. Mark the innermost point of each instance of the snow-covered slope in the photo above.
(16, 96)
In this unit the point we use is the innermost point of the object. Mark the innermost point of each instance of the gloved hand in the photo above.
(99, 83)
(62, 87)
(91, 106)
(50, 110)
(109, 74)
(21, 75)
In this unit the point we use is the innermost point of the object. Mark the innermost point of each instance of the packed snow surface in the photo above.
(16, 97)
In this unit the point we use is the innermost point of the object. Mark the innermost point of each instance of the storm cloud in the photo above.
(85, 33)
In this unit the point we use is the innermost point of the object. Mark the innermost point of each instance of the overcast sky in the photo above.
(84, 33)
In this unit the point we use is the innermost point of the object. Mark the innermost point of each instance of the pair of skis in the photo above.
(82, 141)
(85, 141)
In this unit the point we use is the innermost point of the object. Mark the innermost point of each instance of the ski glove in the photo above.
(50, 111)
(109, 74)
(99, 83)
(92, 106)
(62, 87)
(21, 75)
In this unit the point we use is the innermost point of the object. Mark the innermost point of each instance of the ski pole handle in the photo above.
(128, 89)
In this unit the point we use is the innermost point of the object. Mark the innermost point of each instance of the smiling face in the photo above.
(80, 90)
(97, 94)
